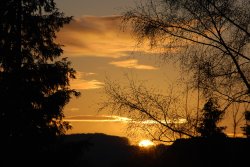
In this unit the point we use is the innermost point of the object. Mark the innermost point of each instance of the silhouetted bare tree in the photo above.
(237, 117)
(209, 38)
(160, 116)
(34, 82)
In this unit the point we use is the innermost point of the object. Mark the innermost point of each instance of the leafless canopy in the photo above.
(209, 38)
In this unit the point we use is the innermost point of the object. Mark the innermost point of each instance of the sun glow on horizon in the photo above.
(146, 143)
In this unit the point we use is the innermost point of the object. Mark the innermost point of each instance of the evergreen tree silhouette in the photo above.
(211, 116)
(246, 128)
(34, 80)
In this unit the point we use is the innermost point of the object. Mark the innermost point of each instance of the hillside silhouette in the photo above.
(104, 150)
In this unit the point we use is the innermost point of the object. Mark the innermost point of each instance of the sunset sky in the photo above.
(100, 48)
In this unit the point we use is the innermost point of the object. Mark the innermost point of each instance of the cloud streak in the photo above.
(114, 118)
(132, 63)
(82, 84)
(95, 36)
(99, 118)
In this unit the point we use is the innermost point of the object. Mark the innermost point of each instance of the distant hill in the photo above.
(101, 150)
(112, 151)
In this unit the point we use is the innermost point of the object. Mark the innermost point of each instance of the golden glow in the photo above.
(146, 143)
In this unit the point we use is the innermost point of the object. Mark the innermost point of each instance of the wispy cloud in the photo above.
(96, 36)
(74, 109)
(82, 84)
(114, 118)
(80, 74)
(97, 118)
(132, 63)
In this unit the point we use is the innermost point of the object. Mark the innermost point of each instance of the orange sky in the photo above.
(99, 47)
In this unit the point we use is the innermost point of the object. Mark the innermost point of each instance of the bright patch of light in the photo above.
(146, 143)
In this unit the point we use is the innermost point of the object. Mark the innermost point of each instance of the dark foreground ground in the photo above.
(100, 150)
